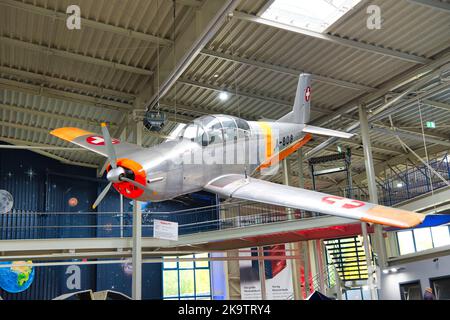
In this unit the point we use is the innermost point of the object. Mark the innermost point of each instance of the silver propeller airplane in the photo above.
(220, 154)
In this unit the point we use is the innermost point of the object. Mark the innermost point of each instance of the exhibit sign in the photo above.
(278, 274)
(163, 229)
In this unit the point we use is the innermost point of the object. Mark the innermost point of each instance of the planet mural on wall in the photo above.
(6, 201)
(17, 277)
(73, 202)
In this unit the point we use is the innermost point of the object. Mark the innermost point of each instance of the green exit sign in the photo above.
(431, 124)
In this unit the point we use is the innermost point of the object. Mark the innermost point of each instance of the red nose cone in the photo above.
(125, 188)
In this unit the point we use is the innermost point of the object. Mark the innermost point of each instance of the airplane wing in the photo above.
(237, 186)
(94, 142)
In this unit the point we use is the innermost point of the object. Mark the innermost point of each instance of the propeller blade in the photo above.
(101, 195)
(134, 183)
(109, 146)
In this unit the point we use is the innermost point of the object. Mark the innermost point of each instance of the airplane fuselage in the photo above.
(185, 164)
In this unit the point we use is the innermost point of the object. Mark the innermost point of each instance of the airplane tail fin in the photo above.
(301, 110)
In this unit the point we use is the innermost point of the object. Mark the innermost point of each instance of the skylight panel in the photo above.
(314, 15)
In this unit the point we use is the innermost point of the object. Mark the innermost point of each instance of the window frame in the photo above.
(194, 268)
(414, 239)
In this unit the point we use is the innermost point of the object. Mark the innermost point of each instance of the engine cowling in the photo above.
(133, 171)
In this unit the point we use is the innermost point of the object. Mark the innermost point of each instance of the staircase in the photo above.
(328, 283)
(348, 256)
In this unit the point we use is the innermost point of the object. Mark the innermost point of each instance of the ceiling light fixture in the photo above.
(223, 96)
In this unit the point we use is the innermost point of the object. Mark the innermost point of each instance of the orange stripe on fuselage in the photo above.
(69, 133)
(285, 152)
(267, 130)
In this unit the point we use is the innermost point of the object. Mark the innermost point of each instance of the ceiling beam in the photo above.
(52, 115)
(389, 86)
(189, 3)
(434, 4)
(199, 110)
(53, 14)
(416, 137)
(287, 71)
(335, 39)
(62, 95)
(45, 79)
(437, 104)
(390, 108)
(244, 94)
(188, 44)
(400, 159)
(46, 153)
(74, 56)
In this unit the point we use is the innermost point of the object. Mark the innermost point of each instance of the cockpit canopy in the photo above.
(212, 129)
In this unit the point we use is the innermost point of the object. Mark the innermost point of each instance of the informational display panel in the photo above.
(278, 275)
(167, 230)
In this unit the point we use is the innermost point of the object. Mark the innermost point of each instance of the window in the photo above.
(405, 242)
(441, 287)
(411, 290)
(441, 236)
(422, 239)
(354, 294)
(187, 280)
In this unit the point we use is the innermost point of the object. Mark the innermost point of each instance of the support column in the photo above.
(123, 137)
(379, 244)
(313, 264)
(306, 268)
(262, 273)
(301, 178)
(303, 244)
(293, 248)
(320, 265)
(137, 235)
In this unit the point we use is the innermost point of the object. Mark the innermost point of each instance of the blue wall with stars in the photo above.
(41, 185)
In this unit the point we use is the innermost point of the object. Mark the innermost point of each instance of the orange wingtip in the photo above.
(393, 217)
(69, 134)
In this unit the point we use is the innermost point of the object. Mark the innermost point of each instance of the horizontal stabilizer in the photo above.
(431, 220)
(327, 132)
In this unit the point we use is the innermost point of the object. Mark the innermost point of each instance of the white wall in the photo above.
(420, 270)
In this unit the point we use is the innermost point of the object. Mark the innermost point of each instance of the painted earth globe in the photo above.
(17, 277)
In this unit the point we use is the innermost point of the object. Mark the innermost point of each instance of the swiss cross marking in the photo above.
(307, 94)
(342, 202)
(99, 141)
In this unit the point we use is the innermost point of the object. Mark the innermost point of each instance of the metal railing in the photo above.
(328, 282)
(42, 225)
(403, 185)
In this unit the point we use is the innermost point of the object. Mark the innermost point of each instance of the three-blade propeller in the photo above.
(116, 174)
